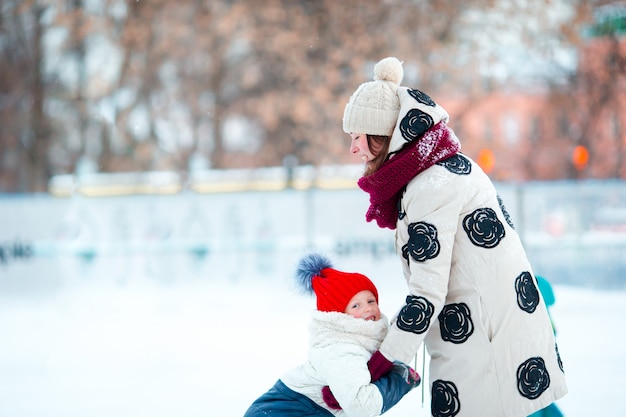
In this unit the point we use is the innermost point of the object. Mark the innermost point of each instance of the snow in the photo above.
(184, 305)
(209, 348)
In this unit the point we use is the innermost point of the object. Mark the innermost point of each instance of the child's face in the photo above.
(363, 306)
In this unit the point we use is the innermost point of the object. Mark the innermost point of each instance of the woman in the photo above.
(472, 296)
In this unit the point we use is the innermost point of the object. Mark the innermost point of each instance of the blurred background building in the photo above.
(536, 89)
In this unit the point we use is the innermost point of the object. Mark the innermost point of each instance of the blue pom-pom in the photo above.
(309, 267)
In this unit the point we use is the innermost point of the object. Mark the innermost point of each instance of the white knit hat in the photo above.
(373, 108)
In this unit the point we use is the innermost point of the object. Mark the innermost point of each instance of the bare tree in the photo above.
(24, 130)
(151, 85)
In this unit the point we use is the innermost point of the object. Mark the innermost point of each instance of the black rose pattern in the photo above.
(457, 164)
(483, 228)
(414, 124)
(422, 244)
(527, 292)
(415, 316)
(558, 357)
(455, 322)
(421, 97)
(532, 378)
(505, 213)
(445, 399)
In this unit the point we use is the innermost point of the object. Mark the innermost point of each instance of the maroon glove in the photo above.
(329, 398)
(378, 365)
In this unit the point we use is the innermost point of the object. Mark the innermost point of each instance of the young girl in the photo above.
(345, 330)
(472, 296)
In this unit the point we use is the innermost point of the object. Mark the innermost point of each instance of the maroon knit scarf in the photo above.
(386, 183)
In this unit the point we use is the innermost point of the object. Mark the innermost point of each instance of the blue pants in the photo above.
(281, 401)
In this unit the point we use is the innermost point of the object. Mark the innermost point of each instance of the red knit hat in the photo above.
(333, 289)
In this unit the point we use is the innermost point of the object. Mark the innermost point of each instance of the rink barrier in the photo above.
(206, 181)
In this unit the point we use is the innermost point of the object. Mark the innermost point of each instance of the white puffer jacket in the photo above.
(339, 348)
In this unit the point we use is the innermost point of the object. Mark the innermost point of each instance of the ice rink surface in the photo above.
(198, 348)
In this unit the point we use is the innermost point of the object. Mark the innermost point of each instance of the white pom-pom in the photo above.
(389, 69)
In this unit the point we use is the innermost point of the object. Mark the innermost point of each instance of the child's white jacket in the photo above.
(339, 348)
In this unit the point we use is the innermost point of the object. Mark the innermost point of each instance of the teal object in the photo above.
(546, 290)
(548, 297)
(550, 411)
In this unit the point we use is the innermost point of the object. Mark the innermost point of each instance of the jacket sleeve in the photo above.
(425, 237)
(345, 371)
(394, 385)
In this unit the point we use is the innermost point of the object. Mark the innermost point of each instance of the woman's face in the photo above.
(359, 147)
